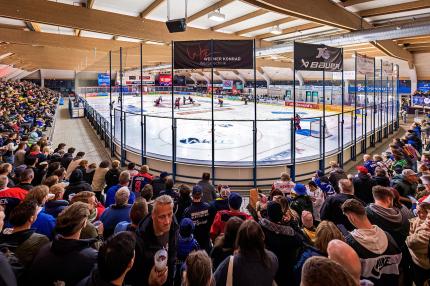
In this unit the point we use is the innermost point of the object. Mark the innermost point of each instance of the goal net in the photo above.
(315, 127)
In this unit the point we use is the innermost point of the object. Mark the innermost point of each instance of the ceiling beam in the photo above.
(424, 39)
(267, 25)
(245, 17)
(209, 9)
(409, 6)
(348, 3)
(76, 17)
(299, 28)
(150, 8)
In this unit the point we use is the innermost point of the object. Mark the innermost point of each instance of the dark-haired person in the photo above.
(76, 184)
(114, 260)
(138, 212)
(67, 157)
(27, 176)
(59, 147)
(74, 163)
(252, 264)
(66, 259)
(112, 176)
(24, 242)
(208, 190)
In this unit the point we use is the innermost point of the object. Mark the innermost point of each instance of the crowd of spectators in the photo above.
(67, 221)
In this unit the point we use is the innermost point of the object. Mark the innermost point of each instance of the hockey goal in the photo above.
(315, 127)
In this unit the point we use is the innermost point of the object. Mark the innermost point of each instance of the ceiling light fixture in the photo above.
(276, 30)
(216, 16)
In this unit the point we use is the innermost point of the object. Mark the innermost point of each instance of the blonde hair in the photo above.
(115, 164)
(56, 190)
(326, 231)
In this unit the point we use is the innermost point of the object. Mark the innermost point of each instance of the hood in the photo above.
(277, 228)
(15, 239)
(51, 205)
(76, 176)
(374, 239)
(62, 246)
(392, 216)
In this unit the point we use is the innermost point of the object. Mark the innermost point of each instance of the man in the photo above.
(114, 260)
(221, 203)
(6, 170)
(159, 183)
(124, 180)
(157, 235)
(66, 259)
(4, 180)
(68, 157)
(208, 190)
(141, 179)
(120, 211)
(202, 215)
(332, 207)
(379, 254)
(407, 186)
(169, 190)
(369, 164)
(25, 179)
(335, 175)
(363, 184)
(221, 217)
(74, 163)
(24, 242)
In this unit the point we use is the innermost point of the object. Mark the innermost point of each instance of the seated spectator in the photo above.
(55, 205)
(309, 230)
(301, 200)
(44, 223)
(124, 180)
(343, 254)
(83, 165)
(221, 202)
(4, 180)
(221, 217)
(186, 244)
(9, 198)
(423, 209)
(363, 184)
(120, 211)
(225, 243)
(369, 164)
(252, 264)
(407, 186)
(372, 245)
(7, 274)
(67, 258)
(6, 170)
(20, 154)
(99, 182)
(24, 242)
(60, 146)
(115, 258)
(76, 185)
(25, 179)
(50, 181)
(159, 183)
(112, 176)
(198, 270)
(208, 190)
(321, 271)
(141, 179)
(130, 169)
(139, 210)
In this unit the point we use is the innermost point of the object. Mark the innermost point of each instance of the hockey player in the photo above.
(177, 102)
(297, 119)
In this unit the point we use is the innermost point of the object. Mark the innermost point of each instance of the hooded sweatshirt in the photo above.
(379, 255)
(418, 242)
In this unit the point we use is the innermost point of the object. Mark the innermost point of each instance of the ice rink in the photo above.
(233, 129)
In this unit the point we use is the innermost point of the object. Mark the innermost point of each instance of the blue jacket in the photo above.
(112, 216)
(185, 246)
(110, 196)
(44, 224)
(370, 166)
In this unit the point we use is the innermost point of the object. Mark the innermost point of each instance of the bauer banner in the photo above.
(311, 57)
(365, 65)
(236, 54)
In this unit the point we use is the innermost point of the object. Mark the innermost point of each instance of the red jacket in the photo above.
(221, 219)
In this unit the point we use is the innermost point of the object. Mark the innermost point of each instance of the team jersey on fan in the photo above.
(284, 186)
(139, 181)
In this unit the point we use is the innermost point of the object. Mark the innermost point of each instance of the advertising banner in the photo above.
(165, 80)
(311, 57)
(423, 85)
(227, 84)
(237, 54)
(103, 79)
(365, 65)
(387, 69)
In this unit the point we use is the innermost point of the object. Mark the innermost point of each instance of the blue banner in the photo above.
(103, 79)
(423, 85)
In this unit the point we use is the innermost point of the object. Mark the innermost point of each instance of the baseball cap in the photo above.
(425, 179)
(408, 172)
(362, 169)
(235, 201)
(197, 191)
(300, 189)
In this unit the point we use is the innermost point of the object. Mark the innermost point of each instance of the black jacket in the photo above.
(331, 210)
(146, 247)
(63, 260)
(335, 176)
(77, 184)
(363, 185)
(94, 279)
(65, 161)
(112, 178)
(158, 185)
(382, 181)
(302, 203)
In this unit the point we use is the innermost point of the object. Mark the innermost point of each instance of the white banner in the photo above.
(365, 65)
(387, 69)
(347, 75)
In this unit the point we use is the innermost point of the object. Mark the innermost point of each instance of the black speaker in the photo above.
(176, 25)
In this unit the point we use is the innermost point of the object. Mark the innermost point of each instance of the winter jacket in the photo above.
(99, 182)
(379, 255)
(405, 188)
(65, 161)
(185, 246)
(110, 196)
(382, 181)
(44, 224)
(220, 204)
(221, 251)
(112, 178)
(221, 219)
(202, 216)
(112, 216)
(94, 279)
(363, 185)
(302, 203)
(11, 197)
(209, 193)
(89, 175)
(418, 244)
(76, 184)
(55, 207)
(65, 260)
(158, 185)
(183, 203)
(248, 270)
(170, 192)
(308, 252)
(7, 276)
(335, 176)
(285, 243)
(147, 245)
(331, 210)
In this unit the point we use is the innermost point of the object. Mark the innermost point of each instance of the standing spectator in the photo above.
(20, 154)
(252, 264)
(148, 195)
(323, 271)
(156, 235)
(83, 165)
(99, 182)
(317, 198)
(60, 146)
(301, 200)
(44, 223)
(67, 157)
(115, 258)
(124, 180)
(369, 164)
(221, 217)
(332, 207)
(130, 169)
(186, 244)
(66, 258)
(116, 213)
(112, 176)
(89, 173)
(76, 184)
(335, 175)
(224, 244)
(202, 216)
(282, 240)
(139, 210)
(209, 193)
(381, 178)
(74, 163)
(141, 179)
(25, 179)
(4, 180)
(169, 191)
(363, 184)
(159, 183)
(284, 184)
(221, 203)
(6, 170)
(372, 245)
(184, 201)
(199, 270)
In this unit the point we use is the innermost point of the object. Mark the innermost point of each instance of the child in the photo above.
(186, 244)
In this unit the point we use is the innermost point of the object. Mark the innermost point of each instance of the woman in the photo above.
(224, 244)
(251, 264)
